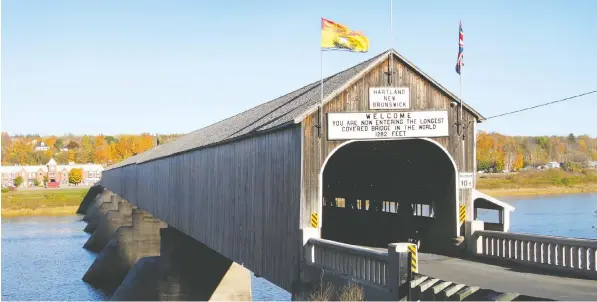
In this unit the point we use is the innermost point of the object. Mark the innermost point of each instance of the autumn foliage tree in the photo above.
(75, 176)
(498, 152)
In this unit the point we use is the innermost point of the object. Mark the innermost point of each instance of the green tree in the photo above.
(85, 152)
(46, 180)
(571, 138)
(18, 181)
(75, 176)
(36, 182)
(59, 143)
(61, 158)
(110, 139)
(484, 165)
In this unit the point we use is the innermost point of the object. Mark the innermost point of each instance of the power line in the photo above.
(541, 105)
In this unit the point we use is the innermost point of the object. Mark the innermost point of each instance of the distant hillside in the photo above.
(100, 149)
(499, 152)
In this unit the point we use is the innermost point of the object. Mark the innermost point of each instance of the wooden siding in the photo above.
(424, 96)
(240, 199)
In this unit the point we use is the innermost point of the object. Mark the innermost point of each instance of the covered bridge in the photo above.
(385, 167)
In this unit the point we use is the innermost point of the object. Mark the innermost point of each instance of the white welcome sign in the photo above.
(380, 125)
(389, 98)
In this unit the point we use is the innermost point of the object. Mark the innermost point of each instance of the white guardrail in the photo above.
(548, 252)
(360, 263)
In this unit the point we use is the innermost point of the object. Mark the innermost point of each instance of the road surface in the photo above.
(505, 279)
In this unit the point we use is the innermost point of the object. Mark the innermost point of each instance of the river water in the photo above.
(43, 257)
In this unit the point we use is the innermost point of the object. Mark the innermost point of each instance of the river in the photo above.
(43, 257)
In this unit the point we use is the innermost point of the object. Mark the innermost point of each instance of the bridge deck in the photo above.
(505, 279)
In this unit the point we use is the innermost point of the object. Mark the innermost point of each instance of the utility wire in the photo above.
(541, 105)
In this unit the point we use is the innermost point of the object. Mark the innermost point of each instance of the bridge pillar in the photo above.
(89, 199)
(193, 271)
(128, 245)
(97, 210)
(108, 226)
(185, 270)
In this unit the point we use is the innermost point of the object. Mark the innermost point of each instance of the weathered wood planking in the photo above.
(240, 199)
(424, 96)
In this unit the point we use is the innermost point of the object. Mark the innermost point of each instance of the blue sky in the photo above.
(113, 67)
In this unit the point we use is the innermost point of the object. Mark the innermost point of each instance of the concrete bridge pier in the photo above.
(89, 199)
(193, 271)
(108, 226)
(102, 204)
(185, 270)
(125, 248)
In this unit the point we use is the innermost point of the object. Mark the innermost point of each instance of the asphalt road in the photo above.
(506, 279)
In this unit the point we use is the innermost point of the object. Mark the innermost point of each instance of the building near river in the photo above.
(57, 174)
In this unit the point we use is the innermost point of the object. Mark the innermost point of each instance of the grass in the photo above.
(42, 202)
(325, 291)
(537, 183)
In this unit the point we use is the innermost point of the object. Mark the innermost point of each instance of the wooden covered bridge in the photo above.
(383, 167)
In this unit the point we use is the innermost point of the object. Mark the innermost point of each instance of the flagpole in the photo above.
(320, 93)
(461, 118)
(391, 69)
(461, 104)
(391, 36)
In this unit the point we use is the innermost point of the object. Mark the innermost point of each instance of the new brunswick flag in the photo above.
(337, 36)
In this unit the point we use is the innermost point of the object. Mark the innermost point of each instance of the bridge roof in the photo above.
(505, 206)
(286, 110)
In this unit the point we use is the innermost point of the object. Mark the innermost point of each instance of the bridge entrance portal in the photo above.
(378, 192)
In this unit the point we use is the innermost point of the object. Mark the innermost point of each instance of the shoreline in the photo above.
(534, 192)
(68, 210)
(52, 211)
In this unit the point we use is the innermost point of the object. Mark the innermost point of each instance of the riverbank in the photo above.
(549, 182)
(42, 202)
(514, 192)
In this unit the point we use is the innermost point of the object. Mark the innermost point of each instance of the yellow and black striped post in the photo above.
(462, 213)
(413, 255)
(314, 220)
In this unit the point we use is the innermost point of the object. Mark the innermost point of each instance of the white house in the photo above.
(553, 165)
(42, 147)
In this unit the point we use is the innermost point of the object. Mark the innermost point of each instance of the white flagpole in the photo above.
(391, 36)
(391, 61)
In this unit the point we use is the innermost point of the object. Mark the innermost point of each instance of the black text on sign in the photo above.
(384, 125)
(389, 98)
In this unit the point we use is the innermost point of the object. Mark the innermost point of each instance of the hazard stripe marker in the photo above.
(462, 213)
(412, 250)
(314, 220)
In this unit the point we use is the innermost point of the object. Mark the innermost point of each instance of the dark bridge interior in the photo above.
(379, 192)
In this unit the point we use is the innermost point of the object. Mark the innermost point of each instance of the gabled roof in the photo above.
(284, 111)
(41, 145)
(505, 206)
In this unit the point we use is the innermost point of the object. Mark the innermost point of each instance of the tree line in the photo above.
(499, 152)
(494, 151)
(99, 149)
